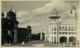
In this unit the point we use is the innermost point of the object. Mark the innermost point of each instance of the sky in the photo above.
(37, 13)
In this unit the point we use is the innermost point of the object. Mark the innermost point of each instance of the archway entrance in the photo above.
(72, 39)
(63, 39)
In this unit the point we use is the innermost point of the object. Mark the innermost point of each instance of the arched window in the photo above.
(72, 39)
(65, 28)
(54, 40)
(54, 32)
(62, 27)
(72, 28)
(63, 39)
(59, 28)
(54, 28)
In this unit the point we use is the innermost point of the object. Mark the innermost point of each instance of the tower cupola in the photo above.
(54, 15)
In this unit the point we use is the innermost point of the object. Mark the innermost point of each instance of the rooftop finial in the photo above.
(54, 12)
(11, 8)
(2, 14)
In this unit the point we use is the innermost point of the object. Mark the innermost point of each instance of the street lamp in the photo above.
(74, 10)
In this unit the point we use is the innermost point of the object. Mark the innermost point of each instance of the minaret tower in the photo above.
(53, 27)
(13, 24)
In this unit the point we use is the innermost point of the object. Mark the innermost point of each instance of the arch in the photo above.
(63, 39)
(72, 39)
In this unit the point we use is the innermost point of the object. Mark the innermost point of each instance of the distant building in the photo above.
(24, 34)
(9, 27)
(38, 36)
(35, 37)
(56, 32)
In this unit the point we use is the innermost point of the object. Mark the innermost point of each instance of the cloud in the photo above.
(22, 14)
(49, 7)
(36, 17)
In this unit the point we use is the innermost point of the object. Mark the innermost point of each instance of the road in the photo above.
(37, 43)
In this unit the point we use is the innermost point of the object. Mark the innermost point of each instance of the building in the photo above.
(24, 34)
(9, 27)
(10, 32)
(58, 33)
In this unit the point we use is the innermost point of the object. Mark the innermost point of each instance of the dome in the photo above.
(11, 13)
(54, 14)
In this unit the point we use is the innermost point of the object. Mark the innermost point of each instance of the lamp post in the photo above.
(74, 10)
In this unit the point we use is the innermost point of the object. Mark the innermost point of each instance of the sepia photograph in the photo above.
(40, 23)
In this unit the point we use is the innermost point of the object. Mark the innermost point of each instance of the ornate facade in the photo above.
(58, 33)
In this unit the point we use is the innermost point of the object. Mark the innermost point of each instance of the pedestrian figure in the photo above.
(23, 43)
(9, 43)
(5, 44)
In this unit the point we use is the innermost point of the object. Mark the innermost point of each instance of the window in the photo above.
(73, 33)
(66, 28)
(54, 32)
(65, 32)
(72, 28)
(69, 33)
(54, 40)
(59, 27)
(60, 33)
(63, 28)
(54, 28)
